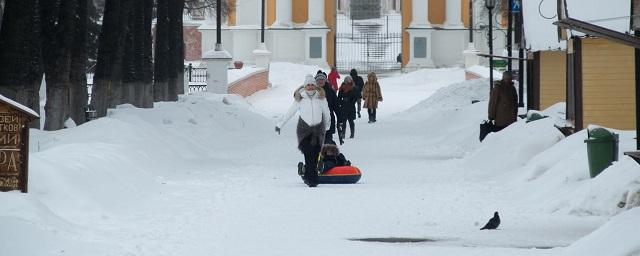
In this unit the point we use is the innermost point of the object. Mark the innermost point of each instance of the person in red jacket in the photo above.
(333, 78)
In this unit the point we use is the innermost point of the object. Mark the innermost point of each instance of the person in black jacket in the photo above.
(332, 100)
(358, 84)
(331, 157)
(347, 97)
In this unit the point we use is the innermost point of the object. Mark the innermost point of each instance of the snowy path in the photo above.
(262, 208)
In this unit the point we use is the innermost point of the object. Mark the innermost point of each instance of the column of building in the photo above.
(454, 13)
(420, 33)
(283, 13)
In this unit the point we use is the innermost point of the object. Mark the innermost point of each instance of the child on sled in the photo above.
(330, 157)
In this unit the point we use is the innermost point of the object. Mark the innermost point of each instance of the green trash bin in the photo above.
(602, 150)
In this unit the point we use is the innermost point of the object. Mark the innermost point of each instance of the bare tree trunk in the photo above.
(137, 59)
(176, 45)
(162, 52)
(107, 82)
(21, 54)
(129, 10)
(147, 55)
(60, 23)
(78, 91)
(1, 11)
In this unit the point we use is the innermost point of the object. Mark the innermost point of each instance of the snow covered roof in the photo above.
(19, 106)
(539, 16)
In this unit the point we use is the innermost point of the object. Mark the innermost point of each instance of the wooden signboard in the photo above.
(14, 145)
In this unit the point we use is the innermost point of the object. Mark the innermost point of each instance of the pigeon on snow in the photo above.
(493, 222)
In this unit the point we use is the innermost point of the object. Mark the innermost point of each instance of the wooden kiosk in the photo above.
(14, 144)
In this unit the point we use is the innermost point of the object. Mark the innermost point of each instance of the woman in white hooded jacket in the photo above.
(315, 119)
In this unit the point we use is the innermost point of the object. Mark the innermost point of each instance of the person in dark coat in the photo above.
(331, 157)
(332, 101)
(503, 103)
(347, 97)
(358, 85)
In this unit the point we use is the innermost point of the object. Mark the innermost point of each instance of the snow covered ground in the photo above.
(207, 175)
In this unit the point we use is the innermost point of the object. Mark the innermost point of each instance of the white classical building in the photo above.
(434, 33)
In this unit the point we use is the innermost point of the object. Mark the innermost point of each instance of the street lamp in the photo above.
(490, 4)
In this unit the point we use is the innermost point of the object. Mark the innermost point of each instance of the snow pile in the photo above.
(483, 72)
(114, 166)
(456, 95)
(513, 147)
(618, 237)
(564, 172)
(399, 92)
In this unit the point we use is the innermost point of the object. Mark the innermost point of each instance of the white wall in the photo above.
(244, 42)
(248, 12)
(448, 46)
(209, 40)
(291, 45)
(240, 43)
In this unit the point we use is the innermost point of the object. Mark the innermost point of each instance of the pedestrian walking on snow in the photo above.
(371, 94)
(333, 78)
(503, 103)
(310, 102)
(332, 102)
(347, 97)
(358, 84)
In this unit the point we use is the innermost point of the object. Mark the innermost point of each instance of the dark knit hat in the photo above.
(321, 76)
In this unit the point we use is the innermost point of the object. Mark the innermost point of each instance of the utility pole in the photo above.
(218, 25)
(262, 23)
(635, 25)
(520, 43)
(490, 4)
(470, 21)
(509, 33)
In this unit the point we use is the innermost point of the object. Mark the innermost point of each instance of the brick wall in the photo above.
(250, 84)
(468, 75)
(192, 43)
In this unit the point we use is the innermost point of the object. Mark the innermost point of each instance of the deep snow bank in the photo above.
(455, 95)
(116, 164)
(618, 237)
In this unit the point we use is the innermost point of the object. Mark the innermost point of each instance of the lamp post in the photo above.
(262, 23)
(470, 21)
(218, 26)
(490, 4)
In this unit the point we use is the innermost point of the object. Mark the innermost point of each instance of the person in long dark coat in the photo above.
(347, 97)
(332, 101)
(358, 84)
(503, 103)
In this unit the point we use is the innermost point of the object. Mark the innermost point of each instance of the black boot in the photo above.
(352, 132)
(300, 168)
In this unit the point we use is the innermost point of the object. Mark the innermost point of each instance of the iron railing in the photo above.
(369, 45)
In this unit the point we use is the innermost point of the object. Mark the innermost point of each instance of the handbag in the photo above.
(486, 127)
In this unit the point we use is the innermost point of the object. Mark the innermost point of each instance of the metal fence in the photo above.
(369, 45)
(196, 77)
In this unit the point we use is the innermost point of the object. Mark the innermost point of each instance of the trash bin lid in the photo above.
(535, 116)
(600, 133)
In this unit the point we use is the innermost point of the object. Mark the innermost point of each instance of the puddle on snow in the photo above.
(394, 240)
(432, 240)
